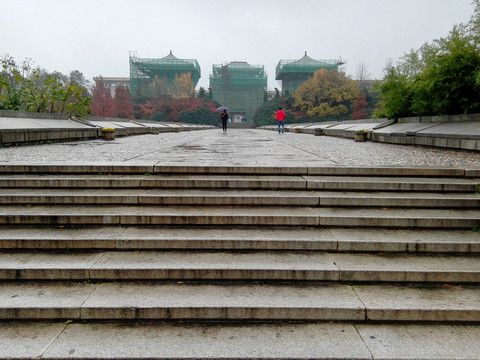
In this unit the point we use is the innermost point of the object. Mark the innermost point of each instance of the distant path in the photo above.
(239, 147)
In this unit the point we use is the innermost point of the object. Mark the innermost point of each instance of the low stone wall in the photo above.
(452, 131)
(17, 127)
(21, 136)
(31, 115)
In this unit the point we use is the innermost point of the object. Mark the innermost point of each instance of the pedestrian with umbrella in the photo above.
(224, 117)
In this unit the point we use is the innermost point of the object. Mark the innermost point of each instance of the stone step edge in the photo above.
(114, 301)
(276, 183)
(356, 246)
(240, 198)
(242, 239)
(281, 341)
(331, 268)
(155, 168)
(119, 274)
(244, 216)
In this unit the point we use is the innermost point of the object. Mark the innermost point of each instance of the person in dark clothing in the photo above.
(224, 118)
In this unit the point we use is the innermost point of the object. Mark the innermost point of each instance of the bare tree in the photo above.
(388, 65)
(362, 73)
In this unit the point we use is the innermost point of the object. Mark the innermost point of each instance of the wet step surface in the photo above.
(219, 341)
(150, 265)
(239, 302)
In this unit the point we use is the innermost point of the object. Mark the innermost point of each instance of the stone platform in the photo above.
(451, 132)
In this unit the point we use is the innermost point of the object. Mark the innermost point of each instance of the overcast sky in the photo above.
(95, 36)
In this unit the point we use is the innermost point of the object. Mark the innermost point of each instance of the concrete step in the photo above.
(153, 181)
(360, 183)
(237, 302)
(239, 239)
(158, 215)
(399, 199)
(234, 216)
(334, 341)
(222, 197)
(228, 266)
(206, 197)
(149, 167)
(398, 218)
(214, 181)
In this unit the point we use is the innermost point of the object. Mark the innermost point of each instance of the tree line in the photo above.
(159, 102)
(327, 96)
(439, 78)
(33, 89)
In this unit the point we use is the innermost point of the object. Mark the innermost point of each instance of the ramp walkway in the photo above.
(239, 246)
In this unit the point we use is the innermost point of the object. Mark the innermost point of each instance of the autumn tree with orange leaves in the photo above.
(183, 86)
(147, 110)
(328, 95)
(122, 104)
(102, 104)
(360, 107)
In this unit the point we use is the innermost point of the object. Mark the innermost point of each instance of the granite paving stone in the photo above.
(435, 342)
(418, 240)
(241, 341)
(228, 301)
(47, 266)
(227, 238)
(158, 215)
(410, 268)
(27, 340)
(440, 303)
(398, 217)
(43, 301)
(214, 266)
(212, 341)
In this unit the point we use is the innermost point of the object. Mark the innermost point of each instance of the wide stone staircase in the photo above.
(198, 262)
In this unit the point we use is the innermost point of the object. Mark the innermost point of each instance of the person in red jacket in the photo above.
(281, 120)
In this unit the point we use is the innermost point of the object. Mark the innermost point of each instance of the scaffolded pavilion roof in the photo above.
(143, 70)
(305, 65)
(238, 73)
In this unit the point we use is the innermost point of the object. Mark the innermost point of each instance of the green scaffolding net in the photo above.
(292, 73)
(148, 75)
(239, 86)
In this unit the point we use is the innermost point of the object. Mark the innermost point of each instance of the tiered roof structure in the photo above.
(292, 73)
(144, 70)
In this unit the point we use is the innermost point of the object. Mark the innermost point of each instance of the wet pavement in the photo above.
(240, 147)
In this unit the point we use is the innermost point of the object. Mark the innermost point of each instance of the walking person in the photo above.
(281, 120)
(224, 117)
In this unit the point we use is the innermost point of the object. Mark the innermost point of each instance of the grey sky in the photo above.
(95, 36)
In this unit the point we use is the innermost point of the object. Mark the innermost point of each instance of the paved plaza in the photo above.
(239, 147)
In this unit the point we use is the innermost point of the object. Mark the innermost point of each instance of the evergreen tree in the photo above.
(440, 78)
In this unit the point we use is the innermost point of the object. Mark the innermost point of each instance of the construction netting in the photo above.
(292, 73)
(148, 75)
(239, 86)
